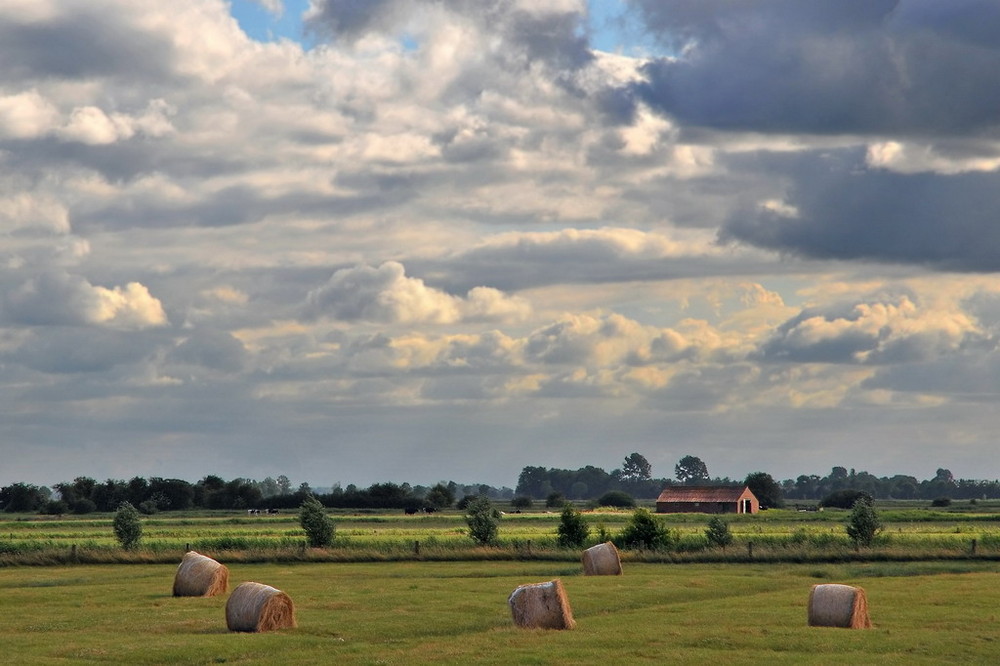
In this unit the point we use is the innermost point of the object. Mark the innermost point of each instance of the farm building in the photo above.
(707, 499)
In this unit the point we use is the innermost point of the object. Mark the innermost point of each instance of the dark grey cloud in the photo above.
(554, 37)
(82, 41)
(848, 211)
(857, 66)
(69, 350)
(213, 349)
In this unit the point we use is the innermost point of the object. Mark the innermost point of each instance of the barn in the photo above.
(707, 499)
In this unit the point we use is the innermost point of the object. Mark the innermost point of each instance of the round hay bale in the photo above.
(541, 606)
(258, 607)
(602, 560)
(200, 576)
(832, 605)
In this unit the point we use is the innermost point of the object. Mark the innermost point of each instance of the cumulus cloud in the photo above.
(54, 298)
(892, 331)
(385, 294)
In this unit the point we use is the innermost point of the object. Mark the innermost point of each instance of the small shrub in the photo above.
(573, 529)
(318, 527)
(718, 533)
(864, 523)
(148, 507)
(646, 531)
(941, 501)
(127, 526)
(483, 520)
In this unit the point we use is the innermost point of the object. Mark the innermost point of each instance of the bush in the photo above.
(317, 525)
(84, 506)
(844, 499)
(127, 526)
(864, 523)
(521, 502)
(718, 533)
(55, 507)
(483, 520)
(555, 501)
(616, 498)
(941, 501)
(573, 529)
(646, 531)
(148, 507)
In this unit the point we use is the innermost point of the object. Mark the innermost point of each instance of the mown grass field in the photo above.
(376, 597)
(456, 613)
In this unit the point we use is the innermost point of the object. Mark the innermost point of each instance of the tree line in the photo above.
(634, 478)
(85, 495)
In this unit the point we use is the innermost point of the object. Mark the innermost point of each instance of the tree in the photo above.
(21, 498)
(317, 525)
(718, 533)
(864, 524)
(765, 489)
(440, 497)
(691, 469)
(284, 485)
(127, 526)
(573, 529)
(635, 468)
(644, 530)
(483, 520)
(554, 501)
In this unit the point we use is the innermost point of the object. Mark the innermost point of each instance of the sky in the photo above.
(421, 240)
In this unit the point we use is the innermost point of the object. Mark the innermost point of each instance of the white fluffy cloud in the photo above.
(206, 230)
(385, 294)
(61, 298)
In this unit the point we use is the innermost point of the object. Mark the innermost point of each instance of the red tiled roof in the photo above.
(701, 494)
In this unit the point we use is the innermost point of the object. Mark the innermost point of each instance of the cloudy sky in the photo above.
(414, 240)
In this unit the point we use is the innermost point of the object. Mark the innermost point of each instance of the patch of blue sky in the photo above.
(263, 25)
(611, 27)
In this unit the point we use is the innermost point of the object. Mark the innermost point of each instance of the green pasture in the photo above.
(456, 613)
(776, 535)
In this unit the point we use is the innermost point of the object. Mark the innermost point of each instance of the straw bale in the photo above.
(833, 605)
(200, 576)
(541, 606)
(258, 607)
(602, 560)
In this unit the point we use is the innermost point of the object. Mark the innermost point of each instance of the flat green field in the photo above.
(457, 613)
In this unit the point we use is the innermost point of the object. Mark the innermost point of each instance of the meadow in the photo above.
(912, 532)
(397, 589)
(456, 612)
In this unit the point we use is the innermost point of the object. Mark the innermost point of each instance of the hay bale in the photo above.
(258, 607)
(200, 576)
(602, 560)
(541, 606)
(833, 605)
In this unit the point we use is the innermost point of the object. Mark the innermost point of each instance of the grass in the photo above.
(456, 613)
